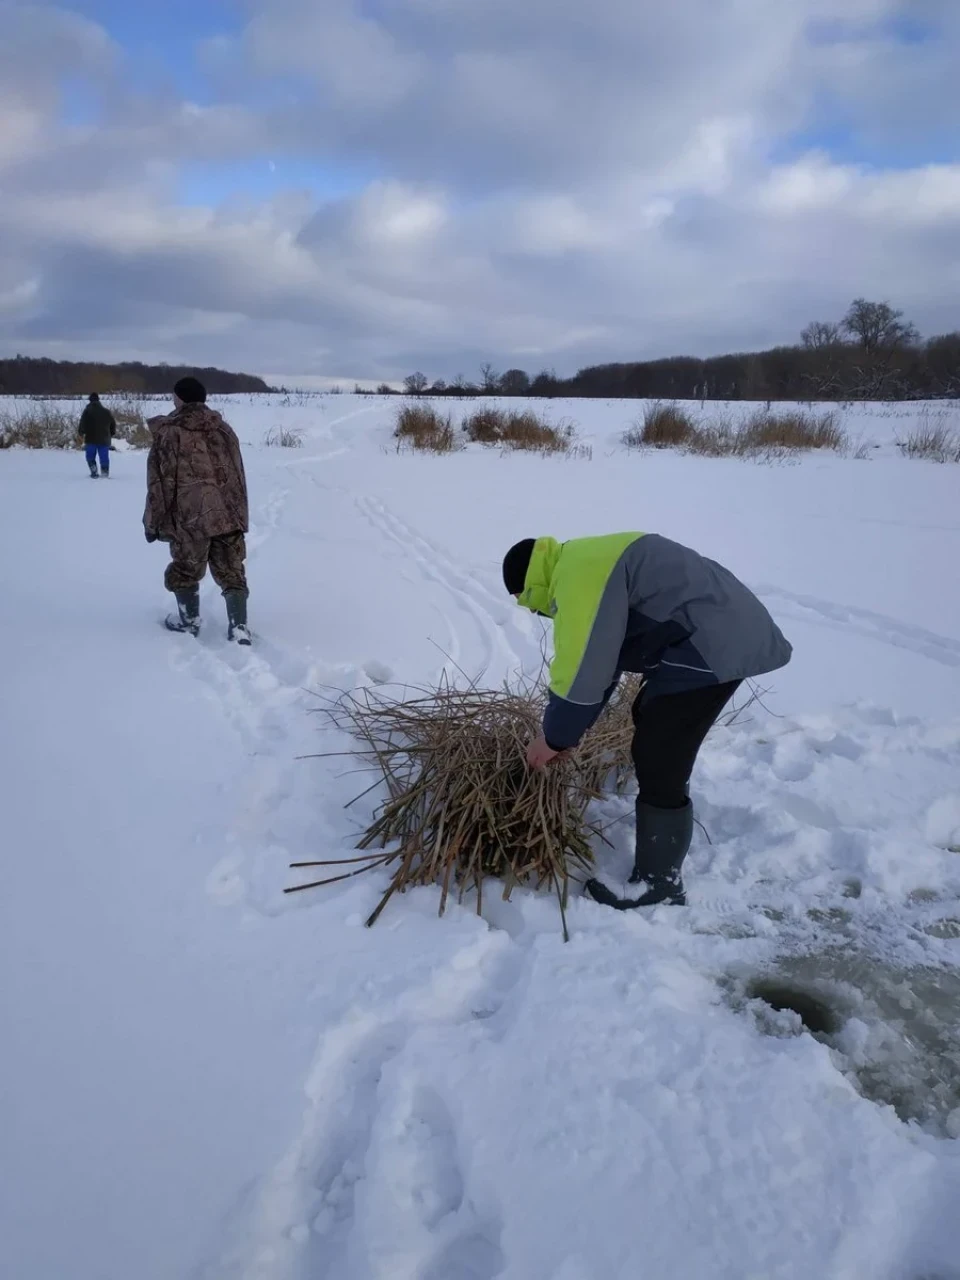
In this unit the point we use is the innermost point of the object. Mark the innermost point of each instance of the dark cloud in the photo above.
(561, 183)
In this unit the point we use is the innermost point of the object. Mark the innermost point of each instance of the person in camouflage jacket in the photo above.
(197, 502)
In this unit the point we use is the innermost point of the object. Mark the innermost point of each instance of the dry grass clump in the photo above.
(485, 425)
(131, 425)
(421, 427)
(719, 438)
(790, 431)
(527, 430)
(765, 434)
(518, 429)
(663, 426)
(462, 806)
(932, 439)
(40, 426)
(283, 438)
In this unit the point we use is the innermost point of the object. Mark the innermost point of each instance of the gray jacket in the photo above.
(640, 602)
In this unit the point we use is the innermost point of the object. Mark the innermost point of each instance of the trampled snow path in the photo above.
(208, 1079)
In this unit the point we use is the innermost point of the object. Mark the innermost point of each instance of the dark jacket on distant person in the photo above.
(97, 425)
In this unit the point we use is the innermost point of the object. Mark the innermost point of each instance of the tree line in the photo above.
(38, 376)
(872, 353)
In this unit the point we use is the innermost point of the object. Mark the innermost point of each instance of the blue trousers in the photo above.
(104, 451)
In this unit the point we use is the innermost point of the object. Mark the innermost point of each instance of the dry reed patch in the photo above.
(132, 425)
(283, 438)
(663, 426)
(527, 430)
(462, 807)
(514, 429)
(39, 426)
(789, 431)
(765, 434)
(421, 427)
(932, 439)
(485, 425)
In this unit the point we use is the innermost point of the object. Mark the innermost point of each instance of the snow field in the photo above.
(210, 1079)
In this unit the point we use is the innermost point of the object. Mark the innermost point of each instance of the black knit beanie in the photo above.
(190, 391)
(515, 565)
(93, 398)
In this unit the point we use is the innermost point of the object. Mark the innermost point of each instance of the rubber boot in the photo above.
(663, 840)
(664, 837)
(94, 473)
(187, 617)
(237, 630)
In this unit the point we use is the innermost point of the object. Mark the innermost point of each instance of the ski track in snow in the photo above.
(264, 694)
(491, 616)
(864, 622)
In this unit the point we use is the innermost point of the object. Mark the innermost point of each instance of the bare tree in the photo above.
(416, 384)
(943, 364)
(884, 339)
(515, 382)
(439, 387)
(546, 383)
(876, 326)
(820, 334)
(489, 379)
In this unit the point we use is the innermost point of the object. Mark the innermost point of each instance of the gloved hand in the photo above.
(150, 535)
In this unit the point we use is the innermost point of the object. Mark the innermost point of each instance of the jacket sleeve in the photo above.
(113, 424)
(237, 456)
(565, 723)
(161, 481)
(84, 423)
(589, 627)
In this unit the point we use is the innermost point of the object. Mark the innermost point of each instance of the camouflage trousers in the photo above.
(190, 556)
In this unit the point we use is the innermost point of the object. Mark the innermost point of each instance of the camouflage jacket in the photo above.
(196, 485)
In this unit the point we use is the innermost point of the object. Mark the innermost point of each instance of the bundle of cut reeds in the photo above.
(462, 805)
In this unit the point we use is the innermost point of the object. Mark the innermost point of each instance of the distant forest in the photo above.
(873, 353)
(28, 376)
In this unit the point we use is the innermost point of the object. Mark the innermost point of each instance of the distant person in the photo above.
(641, 603)
(97, 429)
(197, 501)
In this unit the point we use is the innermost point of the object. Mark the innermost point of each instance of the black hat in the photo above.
(190, 391)
(515, 565)
(94, 398)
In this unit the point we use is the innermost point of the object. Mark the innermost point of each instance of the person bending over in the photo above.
(642, 603)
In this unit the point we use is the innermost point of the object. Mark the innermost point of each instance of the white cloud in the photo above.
(558, 183)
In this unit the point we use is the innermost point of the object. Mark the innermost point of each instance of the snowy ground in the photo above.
(205, 1079)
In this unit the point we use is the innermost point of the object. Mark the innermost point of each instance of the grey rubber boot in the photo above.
(663, 840)
(237, 629)
(664, 837)
(187, 617)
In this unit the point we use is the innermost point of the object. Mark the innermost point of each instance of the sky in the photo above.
(330, 191)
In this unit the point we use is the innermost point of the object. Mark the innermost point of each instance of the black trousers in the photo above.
(669, 732)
